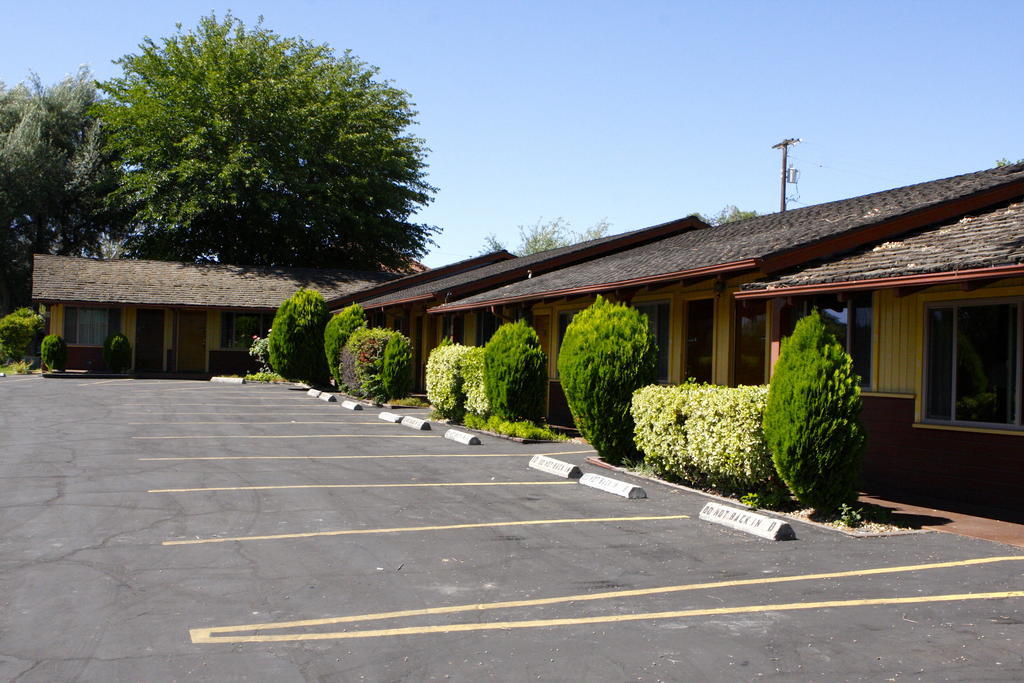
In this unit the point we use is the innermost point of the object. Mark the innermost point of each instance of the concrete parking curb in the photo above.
(351, 405)
(228, 380)
(390, 417)
(462, 437)
(415, 423)
(330, 398)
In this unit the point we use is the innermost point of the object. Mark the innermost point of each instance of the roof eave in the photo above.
(732, 268)
(895, 282)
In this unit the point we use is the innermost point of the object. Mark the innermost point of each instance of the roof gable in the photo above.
(165, 283)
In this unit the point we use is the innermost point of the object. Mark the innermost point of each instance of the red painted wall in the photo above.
(86, 358)
(969, 467)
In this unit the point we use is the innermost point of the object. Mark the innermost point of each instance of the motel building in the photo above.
(923, 284)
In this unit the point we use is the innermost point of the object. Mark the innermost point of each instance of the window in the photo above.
(749, 356)
(486, 325)
(90, 326)
(658, 320)
(973, 364)
(238, 329)
(700, 339)
(849, 319)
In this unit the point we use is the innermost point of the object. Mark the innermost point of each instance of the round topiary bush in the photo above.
(339, 328)
(363, 357)
(473, 387)
(812, 420)
(296, 338)
(444, 380)
(117, 352)
(514, 373)
(396, 367)
(608, 353)
(54, 351)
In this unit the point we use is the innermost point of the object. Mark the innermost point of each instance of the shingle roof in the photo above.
(420, 279)
(67, 278)
(537, 262)
(752, 239)
(994, 238)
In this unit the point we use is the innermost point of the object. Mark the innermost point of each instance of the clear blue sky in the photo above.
(638, 112)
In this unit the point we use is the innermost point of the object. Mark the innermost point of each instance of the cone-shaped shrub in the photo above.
(607, 354)
(296, 339)
(812, 420)
(396, 367)
(117, 352)
(54, 352)
(339, 328)
(514, 373)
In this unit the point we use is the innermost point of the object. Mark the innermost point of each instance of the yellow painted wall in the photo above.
(899, 348)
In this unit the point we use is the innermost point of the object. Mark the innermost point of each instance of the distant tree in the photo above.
(729, 214)
(1006, 162)
(242, 146)
(54, 178)
(542, 236)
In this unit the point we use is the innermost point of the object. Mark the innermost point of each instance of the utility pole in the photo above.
(784, 146)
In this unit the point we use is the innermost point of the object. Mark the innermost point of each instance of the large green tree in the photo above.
(242, 146)
(54, 178)
(545, 235)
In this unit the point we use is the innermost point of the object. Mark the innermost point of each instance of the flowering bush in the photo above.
(259, 350)
(362, 359)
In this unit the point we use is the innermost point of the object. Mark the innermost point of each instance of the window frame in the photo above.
(667, 351)
(78, 319)
(956, 305)
(266, 321)
(867, 382)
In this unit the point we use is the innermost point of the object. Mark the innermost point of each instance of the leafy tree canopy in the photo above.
(729, 214)
(242, 146)
(54, 176)
(542, 236)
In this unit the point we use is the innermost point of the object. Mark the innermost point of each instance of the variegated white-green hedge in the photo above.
(473, 382)
(444, 380)
(706, 435)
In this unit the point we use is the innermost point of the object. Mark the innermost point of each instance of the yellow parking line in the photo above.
(439, 527)
(106, 381)
(610, 595)
(295, 436)
(201, 635)
(363, 457)
(242, 422)
(213, 412)
(366, 486)
(247, 406)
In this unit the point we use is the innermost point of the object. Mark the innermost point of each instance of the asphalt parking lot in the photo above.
(170, 530)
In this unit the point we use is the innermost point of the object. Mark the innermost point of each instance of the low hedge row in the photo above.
(706, 435)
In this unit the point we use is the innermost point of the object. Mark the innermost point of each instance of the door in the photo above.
(149, 340)
(192, 341)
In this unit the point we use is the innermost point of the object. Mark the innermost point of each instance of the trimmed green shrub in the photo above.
(296, 338)
(117, 352)
(608, 353)
(17, 330)
(522, 430)
(54, 351)
(361, 366)
(706, 435)
(515, 373)
(473, 387)
(396, 367)
(445, 380)
(339, 328)
(812, 421)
